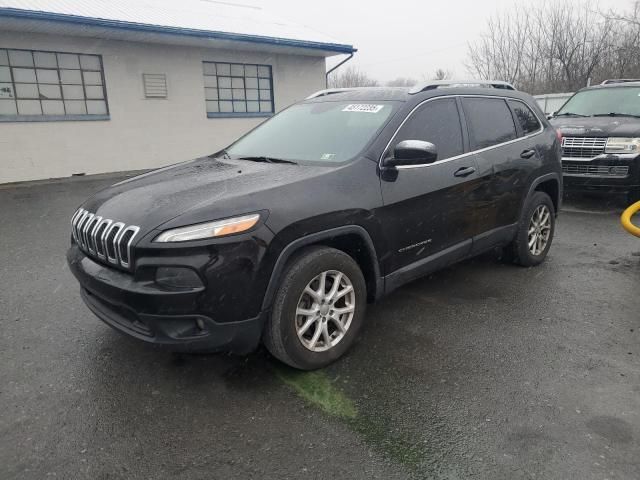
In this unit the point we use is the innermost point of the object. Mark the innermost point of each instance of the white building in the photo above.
(551, 102)
(92, 86)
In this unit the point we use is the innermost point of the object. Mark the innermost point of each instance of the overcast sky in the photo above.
(404, 38)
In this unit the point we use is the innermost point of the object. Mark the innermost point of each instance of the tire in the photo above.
(281, 335)
(520, 251)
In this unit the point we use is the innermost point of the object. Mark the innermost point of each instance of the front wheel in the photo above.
(535, 231)
(318, 309)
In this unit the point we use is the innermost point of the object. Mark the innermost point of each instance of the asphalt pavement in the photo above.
(484, 370)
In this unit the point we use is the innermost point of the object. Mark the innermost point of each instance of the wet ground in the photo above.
(484, 370)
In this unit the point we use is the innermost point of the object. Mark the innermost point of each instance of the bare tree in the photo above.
(441, 74)
(351, 77)
(631, 17)
(557, 46)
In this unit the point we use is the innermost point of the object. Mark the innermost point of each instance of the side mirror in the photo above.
(412, 152)
(551, 115)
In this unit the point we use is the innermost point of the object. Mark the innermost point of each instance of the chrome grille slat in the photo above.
(85, 229)
(115, 229)
(74, 220)
(135, 230)
(595, 170)
(92, 234)
(583, 147)
(100, 241)
(80, 227)
(103, 238)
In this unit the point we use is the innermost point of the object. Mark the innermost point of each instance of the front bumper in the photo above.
(147, 312)
(615, 173)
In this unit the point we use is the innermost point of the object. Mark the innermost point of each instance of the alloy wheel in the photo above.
(325, 311)
(539, 230)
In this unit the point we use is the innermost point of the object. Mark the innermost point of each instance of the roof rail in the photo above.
(328, 91)
(433, 84)
(612, 81)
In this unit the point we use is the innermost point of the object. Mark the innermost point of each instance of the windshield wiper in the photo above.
(569, 114)
(616, 114)
(267, 160)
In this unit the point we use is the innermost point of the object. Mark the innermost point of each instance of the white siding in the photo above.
(142, 133)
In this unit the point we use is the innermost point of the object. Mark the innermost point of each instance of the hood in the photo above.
(598, 126)
(201, 190)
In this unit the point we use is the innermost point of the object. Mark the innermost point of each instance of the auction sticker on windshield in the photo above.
(363, 108)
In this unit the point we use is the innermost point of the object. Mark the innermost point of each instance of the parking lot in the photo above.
(484, 370)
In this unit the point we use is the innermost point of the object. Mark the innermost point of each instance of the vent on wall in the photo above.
(155, 85)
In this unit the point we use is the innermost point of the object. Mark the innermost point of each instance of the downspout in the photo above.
(326, 76)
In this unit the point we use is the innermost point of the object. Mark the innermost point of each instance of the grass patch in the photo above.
(318, 390)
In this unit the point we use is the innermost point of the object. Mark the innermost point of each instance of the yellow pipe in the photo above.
(626, 219)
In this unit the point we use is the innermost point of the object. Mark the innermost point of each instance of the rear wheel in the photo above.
(318, 309)
(535, 231)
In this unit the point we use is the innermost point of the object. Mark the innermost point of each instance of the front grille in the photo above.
(583, 147)
(595, 170)
(103, 238)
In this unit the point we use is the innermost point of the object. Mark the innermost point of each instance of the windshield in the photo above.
(318, 132)
(603, 101)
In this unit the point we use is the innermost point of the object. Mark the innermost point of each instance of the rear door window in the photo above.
(526, 118)
(489, 121)
(438, 122)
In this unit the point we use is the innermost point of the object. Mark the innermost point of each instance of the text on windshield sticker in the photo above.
(363, 108)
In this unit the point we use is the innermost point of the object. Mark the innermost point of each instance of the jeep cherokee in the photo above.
(285, 236)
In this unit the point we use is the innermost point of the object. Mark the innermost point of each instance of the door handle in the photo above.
(464, 172)
(528, 153)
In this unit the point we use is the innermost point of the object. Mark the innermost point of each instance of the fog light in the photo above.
(178, 277)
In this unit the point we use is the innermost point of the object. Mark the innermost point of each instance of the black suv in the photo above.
(601, 139)
(287, 234)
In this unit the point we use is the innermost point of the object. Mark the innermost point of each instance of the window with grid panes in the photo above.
(44, 84)
(238, 89)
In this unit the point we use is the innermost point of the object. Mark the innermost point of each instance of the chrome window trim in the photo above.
(135, 230)
(471, 152)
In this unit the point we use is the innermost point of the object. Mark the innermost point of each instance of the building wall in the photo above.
(141, 133)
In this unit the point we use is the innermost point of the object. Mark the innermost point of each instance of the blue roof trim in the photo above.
(190, 32)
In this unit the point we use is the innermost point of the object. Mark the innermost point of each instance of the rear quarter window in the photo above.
(526, 118)
(489, 121)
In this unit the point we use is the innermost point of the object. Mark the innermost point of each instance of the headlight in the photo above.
(215, 229)
(622, 145)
